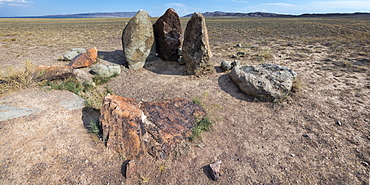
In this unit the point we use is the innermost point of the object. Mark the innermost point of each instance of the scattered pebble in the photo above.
(338, 123)
(293, 155)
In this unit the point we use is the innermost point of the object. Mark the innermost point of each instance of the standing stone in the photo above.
(138, 40)
(265, 81)
(167, 31)
(196, 49)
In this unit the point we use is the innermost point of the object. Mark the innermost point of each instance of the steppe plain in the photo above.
(319, 134)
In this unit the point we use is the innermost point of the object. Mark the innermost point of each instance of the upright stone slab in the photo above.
(167, 31)
(196, 50)
(138, 40)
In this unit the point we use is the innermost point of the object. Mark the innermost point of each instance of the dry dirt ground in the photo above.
(318, 135)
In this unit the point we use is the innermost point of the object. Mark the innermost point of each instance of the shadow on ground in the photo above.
(115, 57)
(89, 115)
(229, 86)
(159, 66)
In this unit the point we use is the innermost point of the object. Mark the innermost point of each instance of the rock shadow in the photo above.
(207, 171)
(124, 168)
(89, 115)
(159, 66)
(229, 86)
(115, 57)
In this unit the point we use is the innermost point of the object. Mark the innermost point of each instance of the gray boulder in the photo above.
(265, 81)
(106, 71)
(138, 40)
(69, 55)
(167, 31)
(196, 50)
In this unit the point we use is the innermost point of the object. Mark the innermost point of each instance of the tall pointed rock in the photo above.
(138, 40)
(196, 49)
(167, 31)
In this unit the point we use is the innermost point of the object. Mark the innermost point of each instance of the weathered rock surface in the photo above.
(196, 50)
(7, 112)
(167, 31)
(169, 122)
(84, 77)
(53, 72)
(138, 40)
(215, 170)
(105, 71)
(84, 59)
(227, 65)
(121, 120)
(265, 81)
(133, 128)
(69, 55)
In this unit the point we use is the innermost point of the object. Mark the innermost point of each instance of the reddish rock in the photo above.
(84, 59)
(121, 123)
(167, 31)
(53, 72)
(170, 122)
(132, 128)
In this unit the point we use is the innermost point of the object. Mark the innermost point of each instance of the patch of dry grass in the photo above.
(14, 78)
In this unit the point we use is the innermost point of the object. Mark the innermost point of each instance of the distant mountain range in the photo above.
(86, 15)
(206, 14)
(265, 14)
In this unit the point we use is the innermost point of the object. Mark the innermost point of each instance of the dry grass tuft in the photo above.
(14, 78)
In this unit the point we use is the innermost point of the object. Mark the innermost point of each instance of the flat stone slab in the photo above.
(7, 112)
(74, 103)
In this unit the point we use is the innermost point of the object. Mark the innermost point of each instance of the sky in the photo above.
(13, 8)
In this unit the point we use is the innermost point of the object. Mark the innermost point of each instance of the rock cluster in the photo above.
(196, 50)
(69, 55)
(167, 31)
(85, 59)
(133, 129)
(138, 40)
(265, 81)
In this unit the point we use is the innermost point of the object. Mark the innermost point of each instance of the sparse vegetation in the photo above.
(203, 125)
(14, 78)
(95, 128)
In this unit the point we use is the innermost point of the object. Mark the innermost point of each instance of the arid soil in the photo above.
(320, 134)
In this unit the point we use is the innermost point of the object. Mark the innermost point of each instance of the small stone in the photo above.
(293, 155)
(241, 54)
(105, 71)
(338, 123)
(69, 55)
(226, 65)
(130, 168)
(215, 170)
(239, 45)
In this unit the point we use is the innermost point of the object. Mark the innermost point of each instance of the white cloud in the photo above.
(14, 2)
(180, 8)
(239, 1)
(311, 7)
